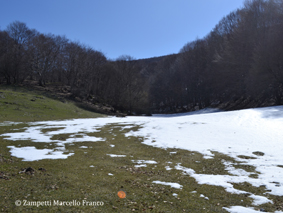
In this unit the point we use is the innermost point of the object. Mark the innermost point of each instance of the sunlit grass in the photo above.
(18, 104)
(86, 176)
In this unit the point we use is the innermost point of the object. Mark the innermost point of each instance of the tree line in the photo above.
(27, 56)
(238, 64)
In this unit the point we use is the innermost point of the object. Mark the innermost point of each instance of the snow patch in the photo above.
(30, 153)
(240, 209)
(175, 195)
(201, 195)
(116, 156)
(144, 161)
(173, 185)
(168, 168)
(140, 165)
(259, 200)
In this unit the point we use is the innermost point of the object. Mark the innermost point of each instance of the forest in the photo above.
(239, 64)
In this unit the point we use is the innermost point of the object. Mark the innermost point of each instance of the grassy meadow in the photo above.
(91, 175)
(22, 105)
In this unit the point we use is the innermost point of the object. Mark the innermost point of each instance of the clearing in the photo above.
(206, 161)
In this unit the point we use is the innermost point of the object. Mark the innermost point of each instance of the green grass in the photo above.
(19, 104)
(73, 178)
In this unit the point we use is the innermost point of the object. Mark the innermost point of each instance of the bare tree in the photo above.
(21, 35)
(45, 49)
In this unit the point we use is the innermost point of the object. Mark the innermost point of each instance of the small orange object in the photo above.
(121, 194)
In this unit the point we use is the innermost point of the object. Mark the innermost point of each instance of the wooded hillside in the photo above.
(239, 64)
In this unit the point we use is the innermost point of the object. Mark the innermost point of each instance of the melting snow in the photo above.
(30, 153)
(236, 133)
(116, 156)
(201, 195)
(238, 209)
(144, 161)
(140, 165)
(173, 185)
(175, 195)
(258, 200)
(168, 168)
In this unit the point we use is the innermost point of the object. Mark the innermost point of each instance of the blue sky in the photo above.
(139, 28)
